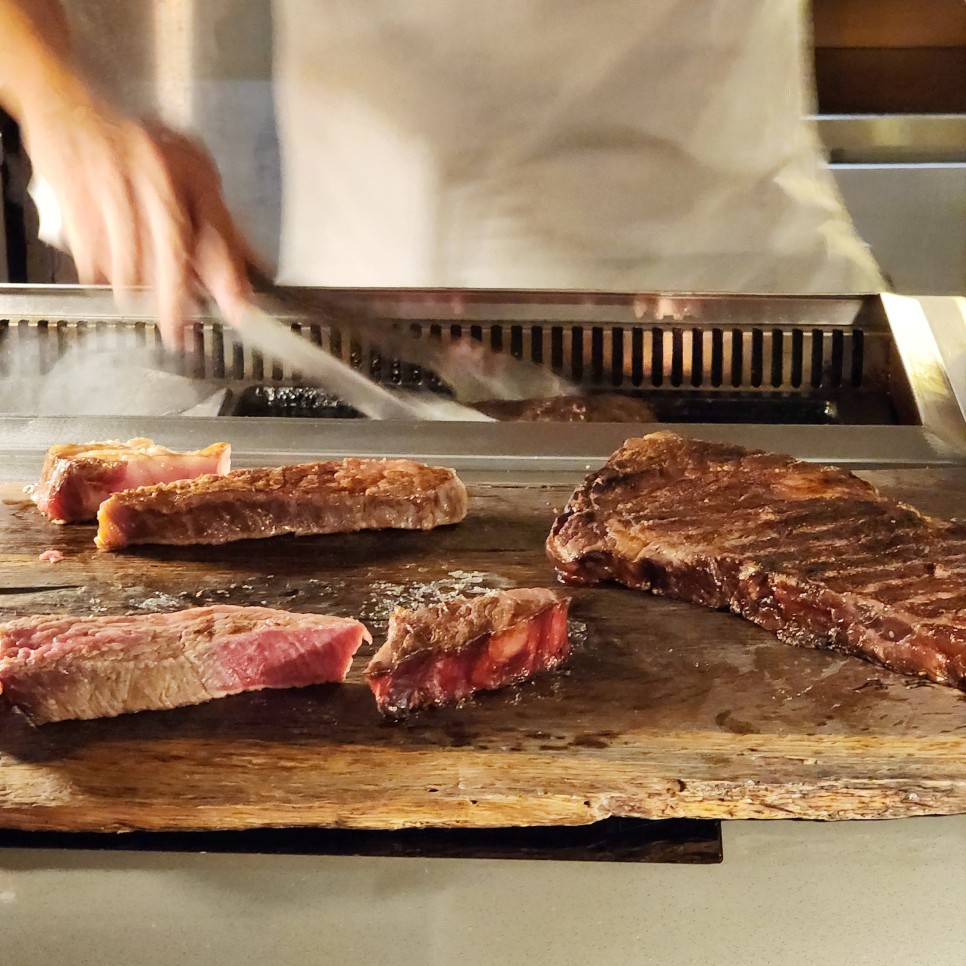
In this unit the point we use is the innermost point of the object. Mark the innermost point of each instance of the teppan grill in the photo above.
(665, 711)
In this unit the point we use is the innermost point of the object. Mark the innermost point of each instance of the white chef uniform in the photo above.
(601, 144)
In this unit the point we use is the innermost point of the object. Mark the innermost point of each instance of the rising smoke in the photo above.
(86, 380)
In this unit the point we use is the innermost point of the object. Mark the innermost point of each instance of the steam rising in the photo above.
(115, 373)
(86, 381)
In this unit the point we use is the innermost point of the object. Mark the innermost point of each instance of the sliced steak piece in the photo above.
(440, 654)
(812, 553)
(607, 407)
(76, 479)
(332, 497)
(53, 667)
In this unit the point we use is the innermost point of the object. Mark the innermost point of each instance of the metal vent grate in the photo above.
(681, 358)
(745, 358)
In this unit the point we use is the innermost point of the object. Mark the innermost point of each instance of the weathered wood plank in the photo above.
(666, 710)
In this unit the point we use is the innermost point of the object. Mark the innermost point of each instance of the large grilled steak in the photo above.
(330, 497)
(809, 552)
(77, 478)
(54, 667)
(442, 653)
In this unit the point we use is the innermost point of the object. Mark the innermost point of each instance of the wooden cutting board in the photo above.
(665, 710)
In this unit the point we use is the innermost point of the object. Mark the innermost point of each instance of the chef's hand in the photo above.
(140, 204)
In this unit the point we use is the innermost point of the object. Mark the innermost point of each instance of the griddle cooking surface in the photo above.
(692, 407)
(666, 710)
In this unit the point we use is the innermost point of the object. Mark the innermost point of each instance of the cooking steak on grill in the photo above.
(606, 407)
(331, 497)
(812, 553)
(53, 667)
(76, 479)
(440, 654)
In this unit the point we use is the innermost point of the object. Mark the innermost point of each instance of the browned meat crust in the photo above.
(439, 654)
(330, 497)
(809, 552)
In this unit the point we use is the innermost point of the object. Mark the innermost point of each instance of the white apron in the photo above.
(592, 144)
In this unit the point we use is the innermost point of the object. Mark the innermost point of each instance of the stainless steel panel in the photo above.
(947, 321)
(596, 340)
(482, 452)
(883, 350)
(894, 138)
(914, 219)
(903, 179)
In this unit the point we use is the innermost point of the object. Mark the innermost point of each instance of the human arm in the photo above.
(141, 204)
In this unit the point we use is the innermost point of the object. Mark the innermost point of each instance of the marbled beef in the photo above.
(55, 667)
(809, 552)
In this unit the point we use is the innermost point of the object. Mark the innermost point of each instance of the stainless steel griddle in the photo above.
(863, 381)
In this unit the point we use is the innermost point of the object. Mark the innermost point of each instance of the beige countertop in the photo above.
(787, 892)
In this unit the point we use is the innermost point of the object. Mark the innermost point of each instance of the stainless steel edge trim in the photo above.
(72, 302)
(925, 369)
(492, 452)
(893, 138)
(946, 317)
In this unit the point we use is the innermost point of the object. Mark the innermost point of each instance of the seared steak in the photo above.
(53, 667)
(440, 654)
(332, 497)
(809, 552)
(76, 479)
(608, 407)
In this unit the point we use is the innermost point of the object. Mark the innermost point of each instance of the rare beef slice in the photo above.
(442, 653)
(55, 667)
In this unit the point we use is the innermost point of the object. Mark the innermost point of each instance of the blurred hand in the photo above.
(141, 205)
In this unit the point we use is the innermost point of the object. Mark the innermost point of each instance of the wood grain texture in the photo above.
(889, 23)
(890, 56)
(665, 710)
(895, 81)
